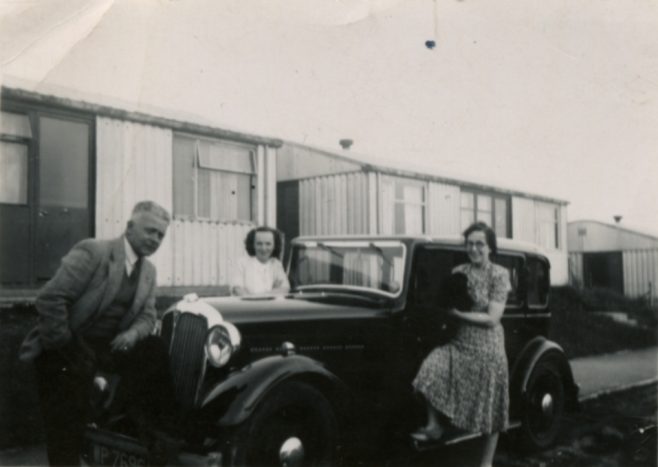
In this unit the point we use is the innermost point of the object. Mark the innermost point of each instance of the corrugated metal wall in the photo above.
(640, 271)
(335, 204)
(134, 162)
(204, 252)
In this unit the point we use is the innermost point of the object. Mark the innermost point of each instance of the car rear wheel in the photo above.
(293, 426)
(543, 406)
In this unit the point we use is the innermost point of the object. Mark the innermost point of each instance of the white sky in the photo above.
(553, 97)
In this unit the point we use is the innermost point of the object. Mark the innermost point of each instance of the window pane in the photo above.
(413, 194)
(500, 226)
(513, 265)
(225, 156)
(467, 200)
(468, 217)
(13, 173)
(184, 151)
(484, 216)
(484, 203)
(244, 196)
(15, 125)
(538, 283)
(64, 159)
(413, 220)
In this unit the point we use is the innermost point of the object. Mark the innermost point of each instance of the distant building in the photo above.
(613, 256)
(330, 192)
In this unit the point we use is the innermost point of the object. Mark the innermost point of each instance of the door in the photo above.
(604, 270)
(15, 140)
(63, 191)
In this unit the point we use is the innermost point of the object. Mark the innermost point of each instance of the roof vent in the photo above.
(346, 143)
(617, 218)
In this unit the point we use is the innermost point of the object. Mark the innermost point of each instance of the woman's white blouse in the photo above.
(258, 278)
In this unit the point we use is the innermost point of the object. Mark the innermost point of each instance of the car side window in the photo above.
(538, 282)
(514, 264)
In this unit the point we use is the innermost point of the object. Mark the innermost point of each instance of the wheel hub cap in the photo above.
(547, 404)
(291, 453)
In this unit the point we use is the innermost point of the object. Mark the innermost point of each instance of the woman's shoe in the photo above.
(425, 436)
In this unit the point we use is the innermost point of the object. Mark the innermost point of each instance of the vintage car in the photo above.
(312, 376)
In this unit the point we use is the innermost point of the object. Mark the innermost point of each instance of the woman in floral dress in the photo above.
(465, 382)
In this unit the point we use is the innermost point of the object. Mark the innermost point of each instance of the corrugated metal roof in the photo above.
(624, 228)
(368, 163)
(177, 124)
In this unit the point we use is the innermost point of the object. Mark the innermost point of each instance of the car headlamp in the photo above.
(222, 341)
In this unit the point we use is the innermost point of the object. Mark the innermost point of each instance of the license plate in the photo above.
(112, 456)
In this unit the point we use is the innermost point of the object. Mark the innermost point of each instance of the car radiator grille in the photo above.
(186, 337)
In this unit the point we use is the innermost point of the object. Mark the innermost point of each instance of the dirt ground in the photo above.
(605, 433)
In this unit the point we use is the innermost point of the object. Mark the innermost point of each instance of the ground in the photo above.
(603, 434)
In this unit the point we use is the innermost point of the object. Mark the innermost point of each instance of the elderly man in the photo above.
(99, 311)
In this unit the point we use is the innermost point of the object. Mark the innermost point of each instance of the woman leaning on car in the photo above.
(261, 271)
(475, 396)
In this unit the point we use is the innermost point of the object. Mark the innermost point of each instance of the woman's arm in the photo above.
(281, 283)
(477, 318)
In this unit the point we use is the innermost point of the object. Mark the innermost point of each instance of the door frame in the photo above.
(34, 110)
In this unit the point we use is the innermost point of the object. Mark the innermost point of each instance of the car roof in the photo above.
(506, 244)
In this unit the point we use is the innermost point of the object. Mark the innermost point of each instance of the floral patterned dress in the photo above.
(467, 379)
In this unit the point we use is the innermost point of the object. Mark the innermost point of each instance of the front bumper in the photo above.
(103, 447)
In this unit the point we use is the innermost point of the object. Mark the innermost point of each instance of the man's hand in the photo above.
(124, 341)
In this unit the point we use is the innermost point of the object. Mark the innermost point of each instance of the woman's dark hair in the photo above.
(453, 292)
(250, 239)
(489, 234)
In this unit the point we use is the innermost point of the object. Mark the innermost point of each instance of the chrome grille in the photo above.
(186, 356)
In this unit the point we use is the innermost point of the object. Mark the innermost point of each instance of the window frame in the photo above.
(402, 183)
(197, 167)
(553, 222)
(493, 196)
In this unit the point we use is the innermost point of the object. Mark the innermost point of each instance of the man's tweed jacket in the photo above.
(83, 287)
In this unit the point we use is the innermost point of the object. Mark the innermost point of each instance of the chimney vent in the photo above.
(346, 143)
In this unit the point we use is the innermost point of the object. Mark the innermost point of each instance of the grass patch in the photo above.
(581, 332)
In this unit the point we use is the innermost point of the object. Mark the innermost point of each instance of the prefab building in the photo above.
(613, 256)
(326, 192)
(71, 170)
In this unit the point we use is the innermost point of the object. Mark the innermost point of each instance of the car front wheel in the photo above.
(543, 405)
(293, 426)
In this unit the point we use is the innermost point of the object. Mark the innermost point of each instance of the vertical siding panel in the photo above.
(134, 162)
(640, 272)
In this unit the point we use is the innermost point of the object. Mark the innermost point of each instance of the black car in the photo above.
(309, 377)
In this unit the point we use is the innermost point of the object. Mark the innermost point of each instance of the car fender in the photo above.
(233, 400)
(532, 353)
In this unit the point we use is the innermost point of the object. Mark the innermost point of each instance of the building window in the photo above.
(403, 206)
(548, 225)
(485, 207)
(213, 179)
(15, 134)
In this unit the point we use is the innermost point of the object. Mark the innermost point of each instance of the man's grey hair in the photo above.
(152, 208)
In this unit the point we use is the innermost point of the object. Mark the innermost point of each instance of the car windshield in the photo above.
(373, 265)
